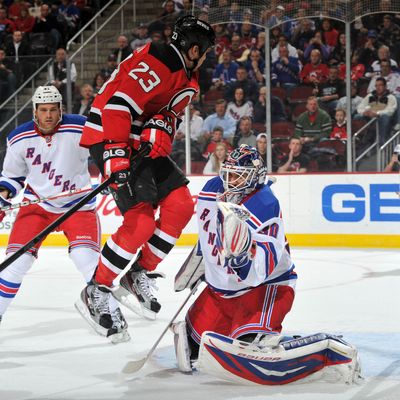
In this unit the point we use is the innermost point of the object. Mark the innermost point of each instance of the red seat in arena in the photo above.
(299, 94)
(283, 129)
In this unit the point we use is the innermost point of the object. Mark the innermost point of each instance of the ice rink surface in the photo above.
(47, 351)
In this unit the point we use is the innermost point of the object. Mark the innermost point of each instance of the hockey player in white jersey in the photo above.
(44, 159)
(250, 288)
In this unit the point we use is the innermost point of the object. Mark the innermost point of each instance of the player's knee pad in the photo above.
(86, 260)
(17, 269)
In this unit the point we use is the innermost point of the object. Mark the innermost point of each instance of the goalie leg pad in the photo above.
(287, 362)
(182, 349)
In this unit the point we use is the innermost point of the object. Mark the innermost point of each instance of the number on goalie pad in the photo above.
(191, 271)
(316, 357)
(234, 235)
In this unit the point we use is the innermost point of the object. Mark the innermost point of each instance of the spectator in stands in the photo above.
(25, 22)
(167, 33)
(355, 100)
(315, 72)
(280, 19)
(14, 10)
(8, 82)
(392, 78)
(338, 55)
(261, 146)
(245, 133)
(296, 161)
(217, 157)
(47, 23)
(6, 25)
(17, 52)
(239, 107)
(222, 39)
(285, 70)
(277, 109)
(247, 34)
(389, 33)
(370, 51)
(331, 90)
(82, 106)
(141, 37)
(217, 137)
(57, 73)
(295, 24)
(110, 67)
(169, 14)
(317, 42)
(255, 67)
(239, 50)
(70, 16)
(98, 82)
(196, 125)
(123, 49)
(313, 124)
(249, 87)
(339, 127)
(383, 54)
(394, 164)
(382, 105)
(302, 35)
(260, 44)
(330, 34)
(225, 72)
(283, 42)
(219, 118)
(186, 8)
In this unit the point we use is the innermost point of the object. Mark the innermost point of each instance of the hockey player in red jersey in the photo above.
(140, 103)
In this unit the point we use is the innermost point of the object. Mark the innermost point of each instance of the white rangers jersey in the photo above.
(48, 165)
(271, 264)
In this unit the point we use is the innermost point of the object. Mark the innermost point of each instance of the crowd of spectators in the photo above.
(308, 102)
(32, 31)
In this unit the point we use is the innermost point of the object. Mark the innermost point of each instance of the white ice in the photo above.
(48, 352)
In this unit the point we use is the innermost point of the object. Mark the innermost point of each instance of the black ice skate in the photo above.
(141, 284)
(99, 308)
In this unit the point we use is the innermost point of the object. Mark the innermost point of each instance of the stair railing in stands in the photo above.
(84, 43)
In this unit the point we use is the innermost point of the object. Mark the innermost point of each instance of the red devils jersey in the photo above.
(151, 80)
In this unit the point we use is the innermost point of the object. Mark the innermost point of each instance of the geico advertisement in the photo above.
(337, 203)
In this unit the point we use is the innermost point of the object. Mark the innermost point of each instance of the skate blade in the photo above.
(115, 338)
(130, 301)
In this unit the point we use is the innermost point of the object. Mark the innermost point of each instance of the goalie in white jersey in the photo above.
(250, 286)
(44, 158)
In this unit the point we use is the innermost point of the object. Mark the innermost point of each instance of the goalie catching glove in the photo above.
(116, 157)
(233, 234)
(159, 132)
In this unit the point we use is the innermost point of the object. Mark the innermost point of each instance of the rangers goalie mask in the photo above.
(242, 172)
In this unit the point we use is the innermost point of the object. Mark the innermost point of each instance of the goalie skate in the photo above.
(136, 292)
(99, 309)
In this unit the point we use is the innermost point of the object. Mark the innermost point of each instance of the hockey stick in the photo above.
(50, 228)
(133, 366)
(42, 199)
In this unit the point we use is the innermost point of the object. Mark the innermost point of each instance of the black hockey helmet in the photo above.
(190, 31)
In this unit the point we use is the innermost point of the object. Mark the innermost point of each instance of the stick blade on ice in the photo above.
(133, 366)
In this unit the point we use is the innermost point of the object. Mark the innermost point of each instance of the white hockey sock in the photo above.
(11, 279)
(86, 260)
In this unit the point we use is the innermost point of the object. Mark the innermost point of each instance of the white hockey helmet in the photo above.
(46, 95)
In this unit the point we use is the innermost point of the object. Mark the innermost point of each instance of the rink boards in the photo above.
(339, 210)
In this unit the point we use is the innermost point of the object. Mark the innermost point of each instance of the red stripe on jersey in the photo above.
(8, 290)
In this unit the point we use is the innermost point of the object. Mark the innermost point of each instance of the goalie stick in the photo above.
(42, 199)
(133, 366)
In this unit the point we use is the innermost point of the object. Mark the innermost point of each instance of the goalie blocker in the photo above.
(322, 357)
